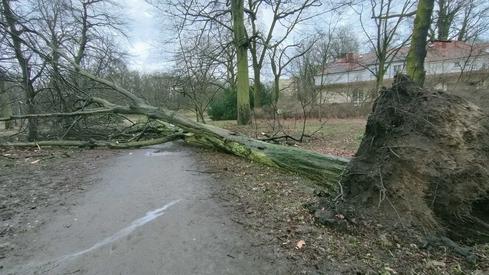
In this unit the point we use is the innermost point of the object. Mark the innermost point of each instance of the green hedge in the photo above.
(224, 105)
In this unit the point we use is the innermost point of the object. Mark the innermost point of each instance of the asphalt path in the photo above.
(151, 212)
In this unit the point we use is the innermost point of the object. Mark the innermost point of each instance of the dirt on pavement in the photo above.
(35, 184)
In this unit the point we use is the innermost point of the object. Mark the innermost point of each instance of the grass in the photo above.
(336, 136)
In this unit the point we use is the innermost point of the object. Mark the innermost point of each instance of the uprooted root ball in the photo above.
(423, 162)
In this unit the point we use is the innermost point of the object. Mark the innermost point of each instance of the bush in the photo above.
(224, 105)
(266, 96)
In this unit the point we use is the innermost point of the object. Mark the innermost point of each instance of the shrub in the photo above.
(223, 107)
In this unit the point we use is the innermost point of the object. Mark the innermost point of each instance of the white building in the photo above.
(347, 79)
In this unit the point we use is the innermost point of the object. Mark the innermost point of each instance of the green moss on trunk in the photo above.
(241, 44)
(417, 51)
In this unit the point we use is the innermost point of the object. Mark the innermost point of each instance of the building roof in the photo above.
(436, 51)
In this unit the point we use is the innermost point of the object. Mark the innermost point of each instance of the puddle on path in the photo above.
(158, 153)
(148, 217)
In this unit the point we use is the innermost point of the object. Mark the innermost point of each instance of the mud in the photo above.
(36, 184)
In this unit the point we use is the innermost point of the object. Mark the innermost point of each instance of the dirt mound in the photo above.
(477, 95)
(423, 162)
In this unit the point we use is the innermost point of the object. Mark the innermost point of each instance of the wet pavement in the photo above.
(150, 213)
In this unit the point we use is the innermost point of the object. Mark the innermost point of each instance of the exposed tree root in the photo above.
(423, 163)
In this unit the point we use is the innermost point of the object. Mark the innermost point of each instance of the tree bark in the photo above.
(417, 50)
(95, 143)
(379, 81)
(326, 169)
(241, 43)
(443, 23)
(27, 84)
(5, 107)
(257, 87)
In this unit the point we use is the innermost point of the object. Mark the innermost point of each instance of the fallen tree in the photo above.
(421, 162)
(326, 169)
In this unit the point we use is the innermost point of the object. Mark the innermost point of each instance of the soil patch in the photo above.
(35, 183)
(270, 204)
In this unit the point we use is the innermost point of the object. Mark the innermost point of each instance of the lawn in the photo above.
(332, 136)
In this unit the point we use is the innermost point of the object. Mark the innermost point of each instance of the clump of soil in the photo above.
(423, 163)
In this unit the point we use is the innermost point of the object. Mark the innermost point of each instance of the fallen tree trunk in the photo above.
(95, 143)
(47, 115)
(326, 169)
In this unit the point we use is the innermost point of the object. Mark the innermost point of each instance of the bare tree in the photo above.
(462, 20)
(474, 22)
(386, 38)
(223, 19)
(332, 44)
(445, 17)
(37, 28)
(280, 58)
(198, 76)
(25, 61)
(338, 41)
(287, 14)
(305, 68)
(241, 44)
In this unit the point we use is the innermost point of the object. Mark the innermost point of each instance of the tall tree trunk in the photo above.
(443, 23)
(417, 50)
(32, 123)
(27, 84)
(276, 90)
(379, 81)
(5, 107)
(257, 87)
(241, 43)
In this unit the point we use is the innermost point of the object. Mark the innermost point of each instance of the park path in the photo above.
(152, 212)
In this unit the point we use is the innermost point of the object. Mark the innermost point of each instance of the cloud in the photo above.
(143, 35)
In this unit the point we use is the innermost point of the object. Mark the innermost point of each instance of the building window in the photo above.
(357, 98)
(397, 68)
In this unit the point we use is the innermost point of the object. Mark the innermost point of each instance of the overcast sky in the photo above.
(145, 37)
(147, 32)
